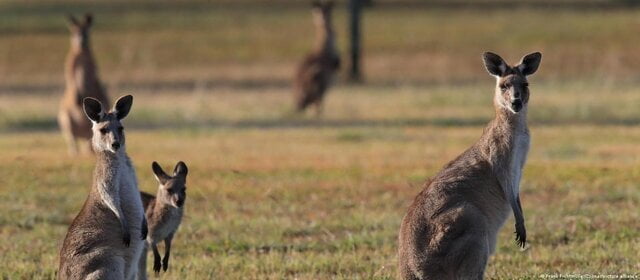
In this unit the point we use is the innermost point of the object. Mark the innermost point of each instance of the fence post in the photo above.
(355, 15)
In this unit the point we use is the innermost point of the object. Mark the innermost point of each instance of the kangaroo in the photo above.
(164, 214)
(99, 243)
(317, 70)
(82, 81)
(451, 227)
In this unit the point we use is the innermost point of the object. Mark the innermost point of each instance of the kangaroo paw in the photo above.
(521, 235)
(165, 264)
(157, 265)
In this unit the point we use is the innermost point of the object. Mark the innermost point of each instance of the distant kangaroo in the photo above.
(99, 243)
(82, 81)
(318, 69)
(451, 227)
(164, 213)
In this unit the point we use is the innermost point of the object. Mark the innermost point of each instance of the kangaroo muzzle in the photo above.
(516, 105)
(178, 202)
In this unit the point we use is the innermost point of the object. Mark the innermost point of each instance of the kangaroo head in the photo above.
(108, 132)
(512, 88)
(172, 189)
(80, 30)
(322, 13)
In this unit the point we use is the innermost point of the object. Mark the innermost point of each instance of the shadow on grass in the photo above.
(180, 85)
(34, 125)
(29, 125)
(345, 123)
(211, 84)
(43, 125)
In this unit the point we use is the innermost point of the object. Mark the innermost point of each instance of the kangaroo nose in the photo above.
(180, 202)
(115, 145)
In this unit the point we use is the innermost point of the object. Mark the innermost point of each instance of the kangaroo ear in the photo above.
(93, 109)
(495, 64)
(88, 19)
(73, 20)
(159, 173)
(180, 169)
(529, 63)
(123, 105)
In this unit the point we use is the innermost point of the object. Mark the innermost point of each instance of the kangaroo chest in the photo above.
(166, 225)
(129, 194)
(518, 156)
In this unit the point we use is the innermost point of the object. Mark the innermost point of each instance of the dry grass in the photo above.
(277, 197)
(274, 196)
(220, 40)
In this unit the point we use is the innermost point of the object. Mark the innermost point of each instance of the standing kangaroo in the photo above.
(451, 227)
(99, 243)
(164, 213)
(318, 69)
(82, 81)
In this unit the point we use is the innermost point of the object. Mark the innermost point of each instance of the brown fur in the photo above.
(94, 239)
(104, 241)
(164, 215)
(451, 227)
(317, 70)
(81, 76)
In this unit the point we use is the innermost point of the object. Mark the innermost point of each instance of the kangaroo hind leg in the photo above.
(472, 258)
(111, 269)
(64, 121)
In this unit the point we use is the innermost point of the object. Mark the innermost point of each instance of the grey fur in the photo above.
(164, 215)
(317, 70)
(451, 227)
(105, 239)
(81, 77)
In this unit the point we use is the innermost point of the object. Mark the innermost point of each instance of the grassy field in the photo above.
(209, 41)
(272, 196)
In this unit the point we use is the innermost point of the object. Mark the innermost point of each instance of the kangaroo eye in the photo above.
(104, 130)
(121, 129)
(526, 84)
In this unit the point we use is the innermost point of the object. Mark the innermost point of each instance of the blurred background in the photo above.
(207, 47)
(273, 195)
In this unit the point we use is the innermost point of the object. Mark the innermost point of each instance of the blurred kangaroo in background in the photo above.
(105, 240)
(82, 81)
(451, 227)
(164, 214)
(318, 69)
